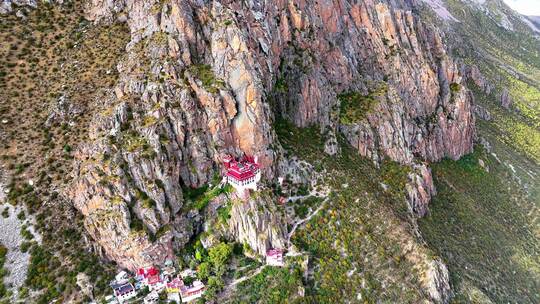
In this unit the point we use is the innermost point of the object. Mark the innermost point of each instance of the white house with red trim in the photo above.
(274, 257)
(243, 174)
(190, 293)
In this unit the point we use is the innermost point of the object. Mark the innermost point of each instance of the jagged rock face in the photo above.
(340, 46)
(438, 280)
(420, 189)
(83, 281)
(474, 74)
(169, 122)
(482, 112)
(202, 79)
(257, 223)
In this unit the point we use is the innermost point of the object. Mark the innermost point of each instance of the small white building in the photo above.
(188, 273)
(110, 299)
(174, 296)
(151, 298)
(121, 277)
(274, 257)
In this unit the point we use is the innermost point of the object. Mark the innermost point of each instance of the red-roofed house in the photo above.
(243, 174)
(274, 257)
(150, 277)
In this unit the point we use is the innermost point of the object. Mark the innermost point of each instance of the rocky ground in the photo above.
(11, 226)
(17, 261)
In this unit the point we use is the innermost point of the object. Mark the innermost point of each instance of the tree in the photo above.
(218, 256)
(215, 285)
(204, 270)
(188, 280)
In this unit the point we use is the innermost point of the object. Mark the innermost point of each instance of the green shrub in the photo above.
(204, 73)
(354, 107)
(455, 87)
(3, 253)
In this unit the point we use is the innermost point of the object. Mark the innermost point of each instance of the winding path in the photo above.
(244, 278)
(297, 224)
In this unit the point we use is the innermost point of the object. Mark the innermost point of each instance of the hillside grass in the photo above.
(486, 229)
(479, 40)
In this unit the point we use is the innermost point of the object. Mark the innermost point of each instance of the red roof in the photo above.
(243, 169)
(149, 271)
(150, 274)
(175, 283)
(274, 252)
(154, 279)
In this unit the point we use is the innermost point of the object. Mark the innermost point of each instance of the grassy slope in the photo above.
(485, 227)
(53, 52)
(485, 224)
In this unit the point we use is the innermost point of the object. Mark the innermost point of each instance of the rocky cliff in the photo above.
(203, 79)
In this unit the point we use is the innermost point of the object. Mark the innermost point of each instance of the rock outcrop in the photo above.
(203, 79)
(257, 223)
(183, 101)
(473, 73)
(438, 277)
(83, 281)
(506, 99)
(482, 113)
(384, 53)
(420, 189)
(7, 6)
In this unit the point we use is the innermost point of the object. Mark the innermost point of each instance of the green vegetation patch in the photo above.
(484, 226)
(211, 264)
(455, 87)
(205, 74)
(302, 207)
(291, 138)
(198, 198)
(354, 107)
(272, 285)
(517, 130)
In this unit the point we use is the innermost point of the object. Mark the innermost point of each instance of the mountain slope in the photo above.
(346, 105)
(484, 220)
